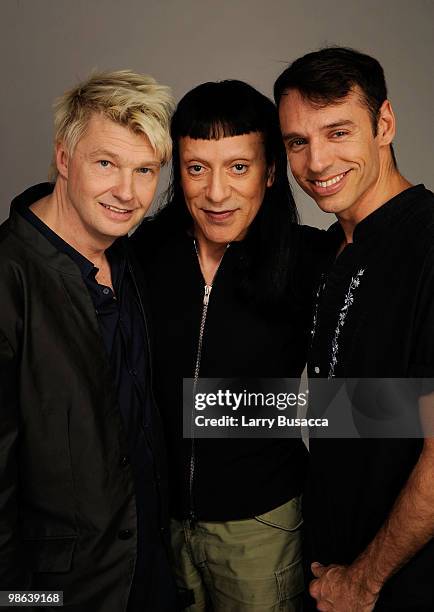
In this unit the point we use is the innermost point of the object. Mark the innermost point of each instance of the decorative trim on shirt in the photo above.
(320, 289)
(349, 299)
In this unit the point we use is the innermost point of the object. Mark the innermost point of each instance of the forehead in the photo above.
(298, 114)
(104, 134)
(246, 146)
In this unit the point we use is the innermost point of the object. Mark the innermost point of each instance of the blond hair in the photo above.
(130, 99)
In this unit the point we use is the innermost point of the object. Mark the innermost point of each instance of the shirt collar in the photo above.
(21, 204)
(383, 217)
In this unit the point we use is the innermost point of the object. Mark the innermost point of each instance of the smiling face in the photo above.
(224, 183)
(333, 153)
(110, 179)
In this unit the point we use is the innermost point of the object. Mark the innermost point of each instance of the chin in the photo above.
(328, 205)
(221, 241)
(218, 237)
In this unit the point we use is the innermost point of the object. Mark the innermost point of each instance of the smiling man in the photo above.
(83, 506)
(368, 505)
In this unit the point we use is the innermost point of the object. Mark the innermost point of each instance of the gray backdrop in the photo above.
(47, 45)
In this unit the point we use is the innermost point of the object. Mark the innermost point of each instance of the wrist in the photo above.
(365, 574)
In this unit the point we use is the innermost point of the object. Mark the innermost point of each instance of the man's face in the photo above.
(224, 183)
(111, 178)
(332, 151)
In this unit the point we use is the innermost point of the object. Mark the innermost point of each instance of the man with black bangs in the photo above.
(226, 304)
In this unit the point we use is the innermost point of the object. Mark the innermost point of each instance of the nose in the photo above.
(320, 157)
(124, 187)
(218, 188)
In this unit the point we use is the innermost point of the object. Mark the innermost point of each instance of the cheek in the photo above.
(296, 164)
(253, 200)
(190, 188)
(145, 189)
(192, 194)
(92, 184)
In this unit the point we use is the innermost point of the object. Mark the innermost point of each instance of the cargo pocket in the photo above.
(287, 517)
(290, 582)
(287, 520)
(50, 554)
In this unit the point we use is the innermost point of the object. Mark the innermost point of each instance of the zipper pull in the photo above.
(206, 294)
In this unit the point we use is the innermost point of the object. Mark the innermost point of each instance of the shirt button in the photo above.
(316, 370)
(125, 534)
(124, 461)
(106, 290)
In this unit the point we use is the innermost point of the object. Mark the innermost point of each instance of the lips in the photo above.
(218, 216)
(330, 182)
(115, 209)
(117, 214)
(329, 185)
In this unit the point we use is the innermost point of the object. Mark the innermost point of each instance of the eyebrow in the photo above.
(242, 158)
(338, 123)
(329, 126)
(106, 153)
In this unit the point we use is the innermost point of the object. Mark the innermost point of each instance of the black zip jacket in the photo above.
(237, 478)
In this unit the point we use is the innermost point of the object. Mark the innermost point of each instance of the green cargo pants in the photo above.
(240, 566)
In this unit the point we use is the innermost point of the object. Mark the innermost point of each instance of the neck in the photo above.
(210, 255)
(389, 184)
(56, 211)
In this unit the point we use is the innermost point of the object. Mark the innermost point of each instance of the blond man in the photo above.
(82, 489)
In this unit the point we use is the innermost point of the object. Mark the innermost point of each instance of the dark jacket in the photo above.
(233, 478)
(68, 511)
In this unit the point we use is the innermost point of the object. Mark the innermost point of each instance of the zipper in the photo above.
(205, 302)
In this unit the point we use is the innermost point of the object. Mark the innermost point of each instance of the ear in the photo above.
(386, 124)
(271, 171)
(62, 159)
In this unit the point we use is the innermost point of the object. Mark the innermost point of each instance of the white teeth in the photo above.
(332, 181)
(118, 210)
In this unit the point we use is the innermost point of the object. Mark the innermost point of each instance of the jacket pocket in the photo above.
(50, 554)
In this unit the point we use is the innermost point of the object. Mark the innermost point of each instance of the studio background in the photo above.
(47, 46)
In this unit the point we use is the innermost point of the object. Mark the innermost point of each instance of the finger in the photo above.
(314, 588)
(317, 569)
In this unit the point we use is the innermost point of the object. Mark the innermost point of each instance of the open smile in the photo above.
(116, 213)
(329, 185)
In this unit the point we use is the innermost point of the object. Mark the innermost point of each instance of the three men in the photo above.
(83, 490)
(369, 503)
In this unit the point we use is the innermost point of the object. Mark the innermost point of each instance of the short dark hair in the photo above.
(326, 76)
(228, 108)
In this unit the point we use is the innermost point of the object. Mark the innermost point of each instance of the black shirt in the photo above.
(123, 332)
(379, 295)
